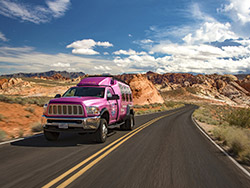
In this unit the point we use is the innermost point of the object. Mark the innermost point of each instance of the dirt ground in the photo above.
(17, 120)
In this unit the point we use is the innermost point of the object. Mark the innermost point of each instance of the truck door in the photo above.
(112, 106)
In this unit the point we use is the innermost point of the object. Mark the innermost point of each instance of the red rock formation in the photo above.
(245, 83)
(144, 92)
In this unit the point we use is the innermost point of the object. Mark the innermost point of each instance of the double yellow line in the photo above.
(111, 147)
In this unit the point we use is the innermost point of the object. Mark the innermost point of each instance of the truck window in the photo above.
(85, 92)
(123, 97)
(109, 94)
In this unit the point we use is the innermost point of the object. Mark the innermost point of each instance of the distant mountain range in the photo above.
(72, 75)
(46, 74)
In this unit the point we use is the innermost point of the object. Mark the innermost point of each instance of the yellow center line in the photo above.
(75, 176)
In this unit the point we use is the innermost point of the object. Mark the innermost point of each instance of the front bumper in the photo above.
(62, 124)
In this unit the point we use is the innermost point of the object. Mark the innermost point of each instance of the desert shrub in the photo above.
(36, 127)
(237, 139)
(191, 90)
(146, 106)
(137, 106)
(20, 133)
(173, 93)
(30, 109)
(155, 105)
(2, 135)
(2, 117)
(239, 117)
(39, 101)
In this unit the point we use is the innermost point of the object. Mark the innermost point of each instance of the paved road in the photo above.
(166, 152)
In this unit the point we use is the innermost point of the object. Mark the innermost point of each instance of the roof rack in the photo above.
(113, 77)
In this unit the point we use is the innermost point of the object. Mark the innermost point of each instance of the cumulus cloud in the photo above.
(34, 13)
(129, 52)
(85, 46)
(210, 32)
(2, 37)
(238, 10)
(199, 58)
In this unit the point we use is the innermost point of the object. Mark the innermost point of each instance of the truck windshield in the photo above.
(85, 92)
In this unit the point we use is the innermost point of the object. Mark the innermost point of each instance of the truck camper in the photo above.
(96, 105)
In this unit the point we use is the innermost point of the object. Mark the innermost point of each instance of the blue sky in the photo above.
(132, 36)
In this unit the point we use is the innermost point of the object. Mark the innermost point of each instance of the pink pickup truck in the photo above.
(95, 105)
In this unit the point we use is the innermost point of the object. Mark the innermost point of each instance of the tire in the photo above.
(102, 131)
(130, 122)
(51, 136)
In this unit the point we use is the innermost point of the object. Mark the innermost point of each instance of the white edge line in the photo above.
(220, 148)
(18, 139)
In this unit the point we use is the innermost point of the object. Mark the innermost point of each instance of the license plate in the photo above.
(63, 126)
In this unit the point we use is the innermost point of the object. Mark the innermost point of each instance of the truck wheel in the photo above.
(102, 131)
(130, 122)
(51, 136)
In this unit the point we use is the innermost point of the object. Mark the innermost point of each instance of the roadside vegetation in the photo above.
(39, 101)
(49, 83)
(232, 128)
(156, 107)
(36, 127)
(2, 135)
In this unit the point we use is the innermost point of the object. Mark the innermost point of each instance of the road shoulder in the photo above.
(205, 131)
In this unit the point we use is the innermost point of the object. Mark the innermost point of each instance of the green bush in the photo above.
(239, 118)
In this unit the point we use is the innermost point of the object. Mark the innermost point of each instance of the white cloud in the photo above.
(129, 52)
(59, 64)
(146, 41)
(58, 7)
(34, 13)
(104, 44)
(202, 58)
(26, 59)
(137, 62)
(102, 68)
(2, 37)
(85, 46)
(210, 32)
(238, 10)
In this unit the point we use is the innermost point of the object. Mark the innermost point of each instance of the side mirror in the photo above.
(58, 96)
(114, 97)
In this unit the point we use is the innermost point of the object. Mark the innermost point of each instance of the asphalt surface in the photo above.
(170, 152)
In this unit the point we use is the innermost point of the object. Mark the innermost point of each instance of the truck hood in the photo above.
(87, 101)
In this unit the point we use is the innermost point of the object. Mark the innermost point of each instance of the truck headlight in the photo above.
(45, 108)
(92, 110)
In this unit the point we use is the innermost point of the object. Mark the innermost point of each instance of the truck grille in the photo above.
(66, 109)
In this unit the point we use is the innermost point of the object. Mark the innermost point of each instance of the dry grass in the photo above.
(232, 128)
(2, 135)
(156, 107)
(237, 139)
(39, 101)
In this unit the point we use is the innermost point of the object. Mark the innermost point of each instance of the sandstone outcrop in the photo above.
(144, 92)
(224, 88)
(13, 82)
